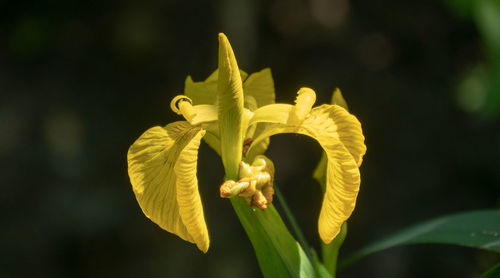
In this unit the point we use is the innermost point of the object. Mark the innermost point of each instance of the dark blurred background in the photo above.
(81, 80)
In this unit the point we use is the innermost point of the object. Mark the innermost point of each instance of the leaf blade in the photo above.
(493, 272)
(477, 229)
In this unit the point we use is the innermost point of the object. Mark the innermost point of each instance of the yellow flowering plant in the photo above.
(235, 114)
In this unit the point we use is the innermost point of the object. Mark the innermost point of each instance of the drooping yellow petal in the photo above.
(162, 170)
(327, 124)
(303, 104)
(272, 113)
(230, 107)
(188, 198)
(260, 86)
(355, 147)
(351, 135)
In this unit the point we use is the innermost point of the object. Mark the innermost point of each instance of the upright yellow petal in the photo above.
(338, 99)
(162, 170)
(230, 107)
(204, 92)
(327, 124)
(260, 86)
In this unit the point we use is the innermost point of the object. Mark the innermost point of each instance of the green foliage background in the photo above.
(81, 80)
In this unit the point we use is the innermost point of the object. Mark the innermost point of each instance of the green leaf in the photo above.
(322, 272)
(493, 272)
(278, 253)
(478, 229)
(463, 8)
(488, 19)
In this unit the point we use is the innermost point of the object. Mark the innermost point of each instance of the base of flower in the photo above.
(255, 184)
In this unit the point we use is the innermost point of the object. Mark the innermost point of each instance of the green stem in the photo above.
(330, 251)
(295, 227)
(278, 254)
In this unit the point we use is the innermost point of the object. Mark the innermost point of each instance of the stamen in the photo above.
(255, 183)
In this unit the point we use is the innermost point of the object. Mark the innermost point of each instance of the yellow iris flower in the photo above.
(162, 162)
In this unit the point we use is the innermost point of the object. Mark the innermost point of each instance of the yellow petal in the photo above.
(212, 137)
(250, 103)
(162, 170)
(260, 86)
(279, 113)
(353, 143)
(230, 107)
(356, 149)
(349, 133)
(303, 104)
(188, 198)
(203, 113)
(272, 113)
(338, 99)
(326, 124)
(204, 92)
